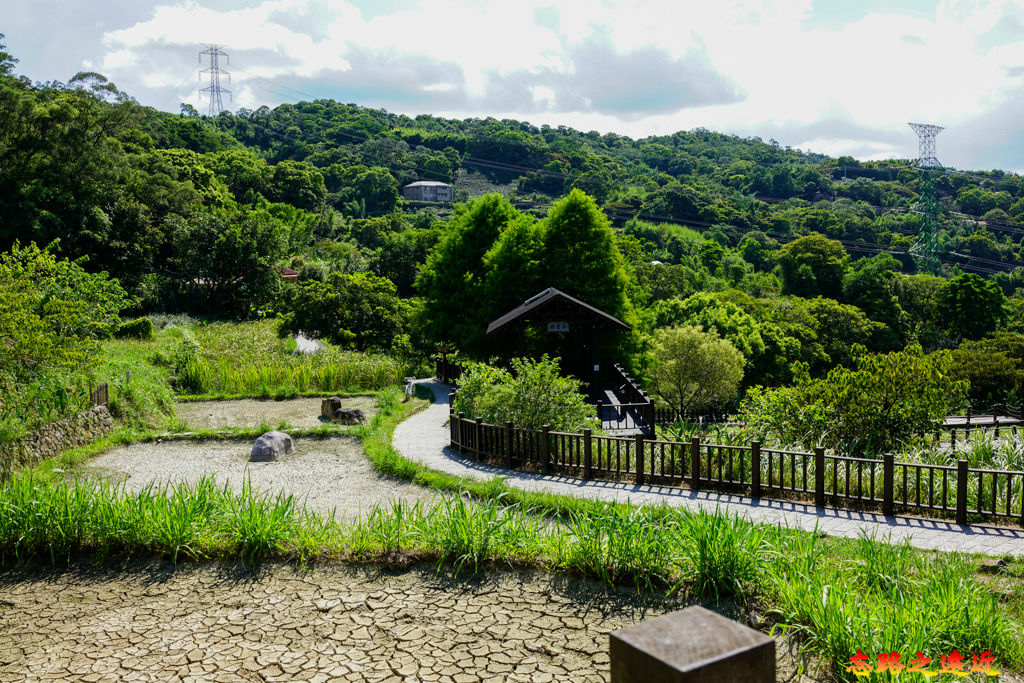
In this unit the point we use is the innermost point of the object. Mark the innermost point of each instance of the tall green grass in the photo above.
(877, 597)
(250, 359)
(862, 594)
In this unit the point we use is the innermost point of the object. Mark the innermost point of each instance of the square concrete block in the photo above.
(693, 645)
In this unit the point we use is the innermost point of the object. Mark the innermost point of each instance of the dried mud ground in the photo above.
(344, 623)
(327, 475)
(297, 412)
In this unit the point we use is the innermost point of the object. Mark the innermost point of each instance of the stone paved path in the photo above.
(339, 623)
(424, 438)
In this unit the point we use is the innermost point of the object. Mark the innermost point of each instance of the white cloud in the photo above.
(471, 58)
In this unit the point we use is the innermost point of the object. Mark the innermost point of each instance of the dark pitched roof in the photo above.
(538, 301)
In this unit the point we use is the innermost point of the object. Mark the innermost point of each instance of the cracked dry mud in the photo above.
(336, 623)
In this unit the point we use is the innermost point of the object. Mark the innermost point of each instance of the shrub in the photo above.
(886, 399)
(140, 328)
(532, 395)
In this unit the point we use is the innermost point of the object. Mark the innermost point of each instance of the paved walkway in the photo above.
(424, 438)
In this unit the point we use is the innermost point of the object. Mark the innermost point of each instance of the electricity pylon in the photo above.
(214, 90)
(927, 248)
(926, 135)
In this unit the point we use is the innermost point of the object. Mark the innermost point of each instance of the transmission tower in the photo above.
(927, 248)
(214, 90)
(926, 133)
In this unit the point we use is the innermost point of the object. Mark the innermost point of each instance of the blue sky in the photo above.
(831, 76)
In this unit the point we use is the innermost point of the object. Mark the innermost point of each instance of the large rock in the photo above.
(271, 446)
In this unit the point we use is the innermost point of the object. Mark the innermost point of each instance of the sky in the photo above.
(831, 76)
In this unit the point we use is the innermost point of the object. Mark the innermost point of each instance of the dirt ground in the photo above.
(328, 475)
(297, 412)
(209, 623)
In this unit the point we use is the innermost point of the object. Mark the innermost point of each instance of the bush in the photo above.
(885, 400)
(532, 395)
(140, 328)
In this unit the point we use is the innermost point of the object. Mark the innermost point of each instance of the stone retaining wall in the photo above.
(54, 438)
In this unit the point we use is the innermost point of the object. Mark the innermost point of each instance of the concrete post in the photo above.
(888, 475)
(694, 645)
(961, 492)
(545, 448)
(508, 445)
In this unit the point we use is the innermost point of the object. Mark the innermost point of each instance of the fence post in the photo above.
(755, 469)
(545, 448)
(695, 462)
(462, 432)
(508, 445)
(453, 424)
(819, 477)
(952, 438)
(997, 427)
(639, 458)
(961, 492)
(588, 455)
(477, 431)
(888, 474)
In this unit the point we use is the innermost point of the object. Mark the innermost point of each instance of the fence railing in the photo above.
(956, 491)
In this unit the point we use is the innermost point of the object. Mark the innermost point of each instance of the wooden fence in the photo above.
(941, 491)
(100, 396)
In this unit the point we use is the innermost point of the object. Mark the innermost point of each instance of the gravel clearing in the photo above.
(297, 412)
(327, 474)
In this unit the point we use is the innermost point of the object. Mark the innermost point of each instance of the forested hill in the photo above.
(792, 256)
(698, 178)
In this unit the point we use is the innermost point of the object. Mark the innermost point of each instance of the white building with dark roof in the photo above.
(427, 191)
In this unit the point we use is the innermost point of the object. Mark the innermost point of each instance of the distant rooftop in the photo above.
(428, 183)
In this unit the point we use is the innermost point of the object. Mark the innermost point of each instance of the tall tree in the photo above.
(452, 281)
(695, 370)
(582, 259)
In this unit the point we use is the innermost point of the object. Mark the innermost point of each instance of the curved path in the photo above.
(424, 438)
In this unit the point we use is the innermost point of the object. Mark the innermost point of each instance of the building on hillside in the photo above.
(427, 191)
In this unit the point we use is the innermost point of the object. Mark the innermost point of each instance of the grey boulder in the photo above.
(271, 446)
